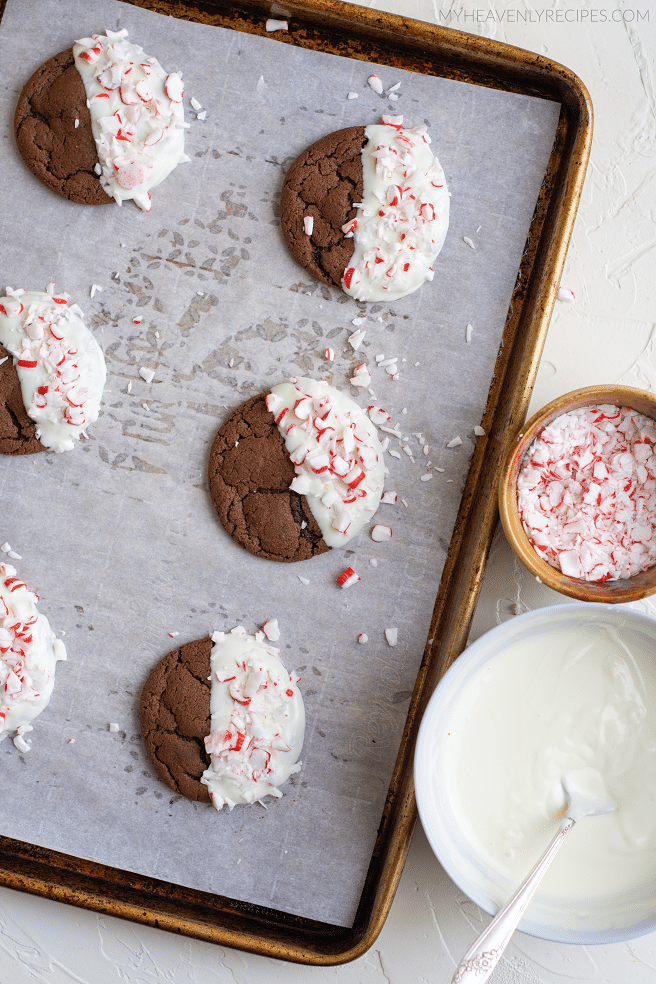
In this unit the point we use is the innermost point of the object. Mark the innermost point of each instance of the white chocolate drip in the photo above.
(336, 453)
(402, 221)
(60, 365)
(137, 116)
(258, 720)
(29, 652)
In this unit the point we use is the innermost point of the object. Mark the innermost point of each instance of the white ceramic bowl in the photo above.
(458, 857)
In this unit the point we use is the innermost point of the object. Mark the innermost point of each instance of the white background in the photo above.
(605, 336)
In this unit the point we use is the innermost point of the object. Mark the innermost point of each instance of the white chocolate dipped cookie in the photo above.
(60, 365)
(102, 122)
(367, 209)
(29, 653)
(222, 720)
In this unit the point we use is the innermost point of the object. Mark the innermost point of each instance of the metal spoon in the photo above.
(586, 796)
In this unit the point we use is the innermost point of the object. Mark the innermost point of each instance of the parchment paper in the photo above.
(119, 537)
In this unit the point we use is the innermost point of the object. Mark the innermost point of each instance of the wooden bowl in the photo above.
(628, 589)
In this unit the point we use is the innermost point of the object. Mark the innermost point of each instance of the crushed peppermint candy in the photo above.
(137, 116)
(257, 721)
(565, 294)
(381, 533)
(479, 431)
(352, 95)
(392, 636)
(348, 578)
(401, 223)
(29, 653)
(355, 339)
(375, 83)
(277, 25)
(362, 638)
(361, 376)
(113, 727)
(336, 454)
(271, 630)
(330, 354)
(454, 442)
(308, 224)
(147, 374)
(60, 365)
(586, 493)
(467, 240)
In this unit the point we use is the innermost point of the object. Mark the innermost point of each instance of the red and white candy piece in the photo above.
(271, 630)
(381, 533)
(348, 577)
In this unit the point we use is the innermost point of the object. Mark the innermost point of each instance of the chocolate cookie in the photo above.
(175, 717)
(17, 431)
(60, 153)
(249, 477)
(323, 182)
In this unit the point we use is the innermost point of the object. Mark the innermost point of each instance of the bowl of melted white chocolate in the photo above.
(566, 687)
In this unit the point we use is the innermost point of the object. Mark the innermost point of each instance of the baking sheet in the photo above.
(119, 537)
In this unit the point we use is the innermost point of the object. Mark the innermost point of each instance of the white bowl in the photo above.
(607, 921)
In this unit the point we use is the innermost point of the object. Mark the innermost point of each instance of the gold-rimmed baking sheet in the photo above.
(122, 542)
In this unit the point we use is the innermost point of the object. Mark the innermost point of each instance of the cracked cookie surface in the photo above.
(174, 712)
(324, 182)
(17, 430)
(249, 477)
(62, 155)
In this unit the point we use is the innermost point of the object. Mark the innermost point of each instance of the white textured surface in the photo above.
(605, 336)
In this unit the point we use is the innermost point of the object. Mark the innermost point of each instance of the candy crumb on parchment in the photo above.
(271, 630)
(347, 578)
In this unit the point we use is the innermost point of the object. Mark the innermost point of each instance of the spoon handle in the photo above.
(481, 958)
